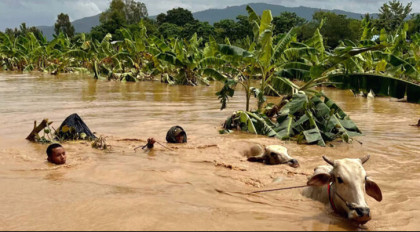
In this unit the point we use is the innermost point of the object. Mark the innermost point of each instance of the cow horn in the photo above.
(328, 161)
(365, 159)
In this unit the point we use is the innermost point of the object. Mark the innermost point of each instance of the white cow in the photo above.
(343, 184)
(273, 154)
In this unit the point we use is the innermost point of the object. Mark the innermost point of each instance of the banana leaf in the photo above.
(380, 85)
(230, 50)
(314, 135)
(413, 93)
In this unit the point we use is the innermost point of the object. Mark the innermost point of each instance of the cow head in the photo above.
(277, 154)
(349, 184)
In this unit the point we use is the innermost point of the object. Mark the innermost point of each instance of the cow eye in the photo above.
(339, 180)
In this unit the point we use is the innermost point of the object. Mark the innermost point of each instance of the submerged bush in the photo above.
(315, 119)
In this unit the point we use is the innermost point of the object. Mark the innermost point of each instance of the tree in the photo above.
(202, 29)
(225, 28)
(111, 20)
(115, 13)
(306, 31)
(336, 27)
(235, 31)
(23, 31)
(134, 11)
(160, 18)
(63, 25)
(392, 15)
(414, 24)
(119, 14)
(178, 16)
(243, 27)
(286, 21)
(150, 24)
(170, 30)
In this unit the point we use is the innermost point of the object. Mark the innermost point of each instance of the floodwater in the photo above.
(201, 185)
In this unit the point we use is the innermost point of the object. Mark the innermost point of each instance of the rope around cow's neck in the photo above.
(348, 205)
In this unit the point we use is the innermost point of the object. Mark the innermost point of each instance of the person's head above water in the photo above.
(179, 135)
(56, 154)
(176, 135)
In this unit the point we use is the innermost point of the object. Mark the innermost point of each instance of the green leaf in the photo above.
(298, 103)
(265, 24)
(226, 92)
(313, 135)
(266, 42)
(252, 15)
(212, 61)
(283, 43)
(214, 74)
(233, 51)
(160, 44)
(244, 118)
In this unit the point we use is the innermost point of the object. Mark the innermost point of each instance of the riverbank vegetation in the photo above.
(380, 55)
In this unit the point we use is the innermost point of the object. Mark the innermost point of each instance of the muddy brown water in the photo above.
(201, 185)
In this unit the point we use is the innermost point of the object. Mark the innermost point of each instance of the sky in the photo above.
(44, 12)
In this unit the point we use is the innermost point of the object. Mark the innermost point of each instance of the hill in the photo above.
(215, 15)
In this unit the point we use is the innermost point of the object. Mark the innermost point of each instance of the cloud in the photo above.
(44, 12)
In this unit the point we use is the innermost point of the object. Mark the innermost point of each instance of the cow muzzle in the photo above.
(359, 214)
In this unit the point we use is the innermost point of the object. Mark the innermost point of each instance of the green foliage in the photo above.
(178, 16)
(392, 14)
(170, 30)
(120, 13)
(24, 31)
(414, 25)
(337, 28)
(63, 25)
(315, 119)
(134, 11)
(286, 21)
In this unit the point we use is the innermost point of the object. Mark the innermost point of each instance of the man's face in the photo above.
(179, 138)
(58, 156)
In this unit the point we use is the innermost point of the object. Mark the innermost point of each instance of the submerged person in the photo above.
(176, 135)
(56, 154)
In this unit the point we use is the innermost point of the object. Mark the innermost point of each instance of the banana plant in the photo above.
(12, 56)
(259, 61)
(186, 61)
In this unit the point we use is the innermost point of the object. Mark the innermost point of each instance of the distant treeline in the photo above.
(180, 23)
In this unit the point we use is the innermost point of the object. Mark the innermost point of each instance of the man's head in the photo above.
(179, 135)
(176, 135)
(56, 154)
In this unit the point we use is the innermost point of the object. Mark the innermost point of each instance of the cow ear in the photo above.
(319, 179)
(373, 190)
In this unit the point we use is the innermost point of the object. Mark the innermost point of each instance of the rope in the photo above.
(269, 190)
(164, 146)
(143, 146)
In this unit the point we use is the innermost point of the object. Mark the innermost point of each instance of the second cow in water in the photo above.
(272, 154)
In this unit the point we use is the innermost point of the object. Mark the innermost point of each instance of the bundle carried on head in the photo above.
(73, 127)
